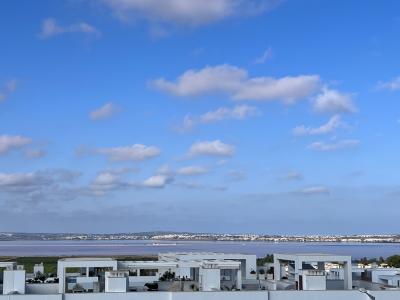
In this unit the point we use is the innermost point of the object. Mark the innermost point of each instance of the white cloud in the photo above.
(10, 142)
(333, 146)
(333, 101)
(104, 112)
(136, 152)
(192, 170)
(106, 178)
(264, 57)
(45, 186)
(157, 181)
(183, 12)
(333, 123)
(9, 87)
(236, 83)
(50, 28)
(39, 178)
(315, 190)
(212, 148)
(35, 154)
(239, 112)
(292, 175)
(392, 85)
(18, 179)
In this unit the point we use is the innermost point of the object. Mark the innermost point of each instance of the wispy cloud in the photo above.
(187, 13)
(35, 153)
(50, 28)
(391, 85)
(291, 176)
(12, 142)
(267, 55)
(333, 123)
(239, 112)
(9, 87)
(211, 148)
(315, 190)
(236, 83)
(192, 170)
(104, 112)
(136, 152)
(236, 175)
(333, 146)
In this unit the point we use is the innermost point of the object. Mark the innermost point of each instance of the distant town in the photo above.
(184, 236)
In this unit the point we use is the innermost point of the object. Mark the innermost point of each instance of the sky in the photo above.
(256, 116)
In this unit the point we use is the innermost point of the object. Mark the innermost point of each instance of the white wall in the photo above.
(210, 279)
(116, 284)
(319, 295)
(375, 273)
(314, 283)
(262, 295)
(31, 297)
(14, 281)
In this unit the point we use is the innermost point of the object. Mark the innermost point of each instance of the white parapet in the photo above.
(14, 282)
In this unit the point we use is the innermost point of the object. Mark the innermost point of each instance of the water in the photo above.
(87, 248)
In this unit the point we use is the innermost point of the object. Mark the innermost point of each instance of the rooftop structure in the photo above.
(308, 269)
(177, 276)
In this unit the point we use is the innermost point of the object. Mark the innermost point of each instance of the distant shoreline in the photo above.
(200, 240)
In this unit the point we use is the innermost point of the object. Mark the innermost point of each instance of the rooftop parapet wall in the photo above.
(256, 295)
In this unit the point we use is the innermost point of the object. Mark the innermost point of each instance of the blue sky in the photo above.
(207, 116)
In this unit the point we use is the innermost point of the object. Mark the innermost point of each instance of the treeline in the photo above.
(391, 261)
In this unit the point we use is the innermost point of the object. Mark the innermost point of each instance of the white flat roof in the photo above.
(72, 259)
(312, 256)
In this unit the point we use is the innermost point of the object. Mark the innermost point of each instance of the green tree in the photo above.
(393, 261)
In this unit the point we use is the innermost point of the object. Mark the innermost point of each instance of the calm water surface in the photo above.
(85, 248)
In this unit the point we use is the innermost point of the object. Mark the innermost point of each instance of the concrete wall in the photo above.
(31, 297)
(41, 289)
(314, 283)
(319, 295)
(256, 295)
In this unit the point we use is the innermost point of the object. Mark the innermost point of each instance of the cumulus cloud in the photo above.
(333, 146)
(50, 28)
(192, 170)
(264, 57)
(391, 85)
(239, 112)
(236, 83)
(12, 142)
(104, 112)
(333, 101)
(106, 178)
(187, 13)
(157, 181)
(136, 152)
(38, 186)
(211, 148)
(333, 123)
(315, 190)
(9, 87)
